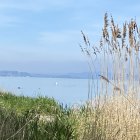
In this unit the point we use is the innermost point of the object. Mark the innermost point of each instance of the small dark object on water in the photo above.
(19, 87)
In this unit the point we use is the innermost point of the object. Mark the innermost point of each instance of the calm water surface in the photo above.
(67, 91)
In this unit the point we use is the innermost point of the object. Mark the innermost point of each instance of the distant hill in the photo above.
(14, 73)
(84, 75)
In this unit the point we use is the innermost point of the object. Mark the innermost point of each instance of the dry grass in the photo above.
(114, 114)
(123, 119)
(113, 119)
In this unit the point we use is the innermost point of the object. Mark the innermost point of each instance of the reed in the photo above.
(114, 113)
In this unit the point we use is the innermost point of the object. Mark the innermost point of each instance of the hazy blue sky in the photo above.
(42, 36)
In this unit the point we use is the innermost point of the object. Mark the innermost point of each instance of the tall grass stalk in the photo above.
(116, 104)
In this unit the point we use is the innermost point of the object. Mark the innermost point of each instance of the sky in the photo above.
(43, 36)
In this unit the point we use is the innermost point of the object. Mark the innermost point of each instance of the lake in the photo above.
(66, 91)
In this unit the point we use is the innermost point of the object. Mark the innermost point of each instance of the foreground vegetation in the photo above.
(43, 119)
(39, 118)
(112, 111)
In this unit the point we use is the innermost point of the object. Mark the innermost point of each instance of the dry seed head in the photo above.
(84, 37)
(131, 34)
(105, 34)
(97, 49)
(112, 22)
(124, 31)
(118, 32)
(81, 48)
(135, 26)
(88, 52)
(113, 34)
(106, 20)
(88, 41)
(101, 43)
(104, 78)
(124, 35)
(93, 47)
(105, 30)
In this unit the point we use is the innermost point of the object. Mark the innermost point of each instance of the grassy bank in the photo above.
(39, 118)
(21, 104)
(43, 119)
